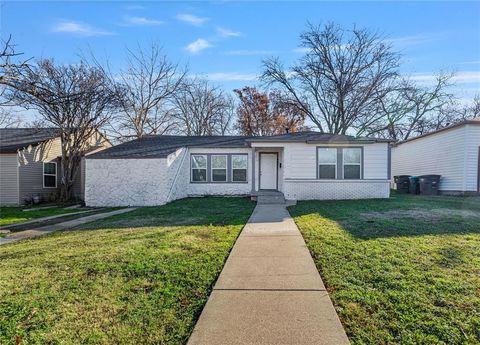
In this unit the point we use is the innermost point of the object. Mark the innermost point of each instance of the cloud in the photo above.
(79, 28)
(470, 62)
(223, 32)
(197, 46)
(250, 52)
(301, 50)
(191, 19)
(411, 40)
(142, 21)
(463, 77)
(230, 76)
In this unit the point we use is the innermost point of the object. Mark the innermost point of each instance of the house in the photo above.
(452, 152)
(29, 164)
(155, 170)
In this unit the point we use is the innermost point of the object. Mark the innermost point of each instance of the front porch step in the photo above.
(270, 198)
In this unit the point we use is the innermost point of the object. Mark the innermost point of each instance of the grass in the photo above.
(12, 215)
(138, 278)
(399, 271)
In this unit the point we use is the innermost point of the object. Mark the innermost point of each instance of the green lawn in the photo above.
(11, 215)
(400, 271)
(138, 278)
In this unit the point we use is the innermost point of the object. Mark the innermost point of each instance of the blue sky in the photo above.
(226, 41)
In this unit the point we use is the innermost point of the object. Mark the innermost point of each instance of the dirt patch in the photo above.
(421, 213)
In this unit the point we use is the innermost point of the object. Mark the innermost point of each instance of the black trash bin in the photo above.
(414, 187)
(429, 184)
(402, 182)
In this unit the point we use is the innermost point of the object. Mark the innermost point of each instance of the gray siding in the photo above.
(31, 169)
(8, 179)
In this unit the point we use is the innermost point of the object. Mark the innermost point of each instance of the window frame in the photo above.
(191, 168)
(360, 164)
(339, 166)
(209, 172)
(212, 168)
(232, 168)
(335, 164)
(44, 174)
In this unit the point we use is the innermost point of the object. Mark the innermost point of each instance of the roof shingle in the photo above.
(160, 146)
(13, 139)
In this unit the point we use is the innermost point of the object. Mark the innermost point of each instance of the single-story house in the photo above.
(155, 170)
(29, 164)
(452, 152)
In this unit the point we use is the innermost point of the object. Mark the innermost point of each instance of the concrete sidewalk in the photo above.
(269, 291)
(26, 234)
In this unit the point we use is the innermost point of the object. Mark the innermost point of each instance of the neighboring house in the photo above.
(29, 164)
(451, 152)
(158, 169)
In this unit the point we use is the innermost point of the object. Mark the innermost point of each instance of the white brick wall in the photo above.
(126, 182)
(337, 190)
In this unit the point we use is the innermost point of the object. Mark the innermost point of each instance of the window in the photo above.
(219, 168)
(199, 168)
(49, 175)
(352, 163)
(239, 168)
(327, 163)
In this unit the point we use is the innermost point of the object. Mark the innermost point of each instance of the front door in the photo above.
(268, 170)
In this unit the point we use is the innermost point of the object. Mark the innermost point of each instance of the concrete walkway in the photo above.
(21, 235)
(43, 219)
(269, 291)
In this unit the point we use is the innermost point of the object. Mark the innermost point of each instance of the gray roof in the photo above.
(13, 139)
(160, 146)
(317, 137)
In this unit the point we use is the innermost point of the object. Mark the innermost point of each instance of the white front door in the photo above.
(268, 171)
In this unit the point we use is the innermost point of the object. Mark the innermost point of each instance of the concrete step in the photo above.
(271, 199)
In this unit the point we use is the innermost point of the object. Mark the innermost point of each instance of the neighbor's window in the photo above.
(327, 163)
(239, 168)
(199, 168)
(50, 175)
(219, 168)
(352, 163)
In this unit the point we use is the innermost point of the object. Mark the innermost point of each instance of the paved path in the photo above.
(43, 219)
(269, 291)
(21, 235)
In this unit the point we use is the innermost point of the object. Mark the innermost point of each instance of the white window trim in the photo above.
(43, 175)
(359, 164)
(232, 168)
(191, 168)
(336, 163)
(212, 168)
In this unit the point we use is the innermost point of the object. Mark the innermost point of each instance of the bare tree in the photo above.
(76, 99)
(202, 109)
(8, 118)
(7, 53)
(261, 113)
(341, 78)
(147, 87)
(411, 109)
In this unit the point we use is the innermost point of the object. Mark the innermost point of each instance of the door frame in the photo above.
(260, 170)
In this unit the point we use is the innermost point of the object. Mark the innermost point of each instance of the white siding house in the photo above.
(159, 169)
(452, 152)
